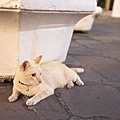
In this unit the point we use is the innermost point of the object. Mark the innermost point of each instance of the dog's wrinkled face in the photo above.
(31, 72)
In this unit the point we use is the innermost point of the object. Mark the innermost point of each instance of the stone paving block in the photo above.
(89, 102)
(16, 110)
(104, 38)
(77, 36)
(71, 61)
(109, 24)
(90, 78)
(106, 67)
(95, 45)
(83, 51)
(74, 44)
(115, 44)
(90, 118)
(48, 109)
(51, 109)
(113, 54)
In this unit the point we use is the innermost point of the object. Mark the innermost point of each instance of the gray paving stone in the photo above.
(51, 109)
(113, 54)
(84, 51)
(95, 45)
(74, 44)
(71, 61)
(102, 36)
(106, 67)
(90, 78)
(91, 118)
(16, 110)
(48, 109)
(88, 101)
(77, 36)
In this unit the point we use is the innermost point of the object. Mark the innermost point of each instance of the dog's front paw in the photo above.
(30, 102)
(12, 98)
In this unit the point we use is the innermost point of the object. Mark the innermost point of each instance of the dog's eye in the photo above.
(41, 73)
(33, 74)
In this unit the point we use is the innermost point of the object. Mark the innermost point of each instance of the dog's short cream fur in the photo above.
(40, 80)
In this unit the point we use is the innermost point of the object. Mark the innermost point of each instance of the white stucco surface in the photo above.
(8, 43)
(116, 9)
(47, 35)
(58, 5)
(45, 42)
(54, 5)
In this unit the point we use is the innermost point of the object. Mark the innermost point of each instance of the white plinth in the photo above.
(116, 9)
(34, 27)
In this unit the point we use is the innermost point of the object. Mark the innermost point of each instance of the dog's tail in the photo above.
(78, 70)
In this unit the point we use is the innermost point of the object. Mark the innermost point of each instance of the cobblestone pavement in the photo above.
(98, 52)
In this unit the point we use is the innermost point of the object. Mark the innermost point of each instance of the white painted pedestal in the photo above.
(116, 9)
(29, 28)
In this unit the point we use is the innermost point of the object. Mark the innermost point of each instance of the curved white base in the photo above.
(86, 23)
